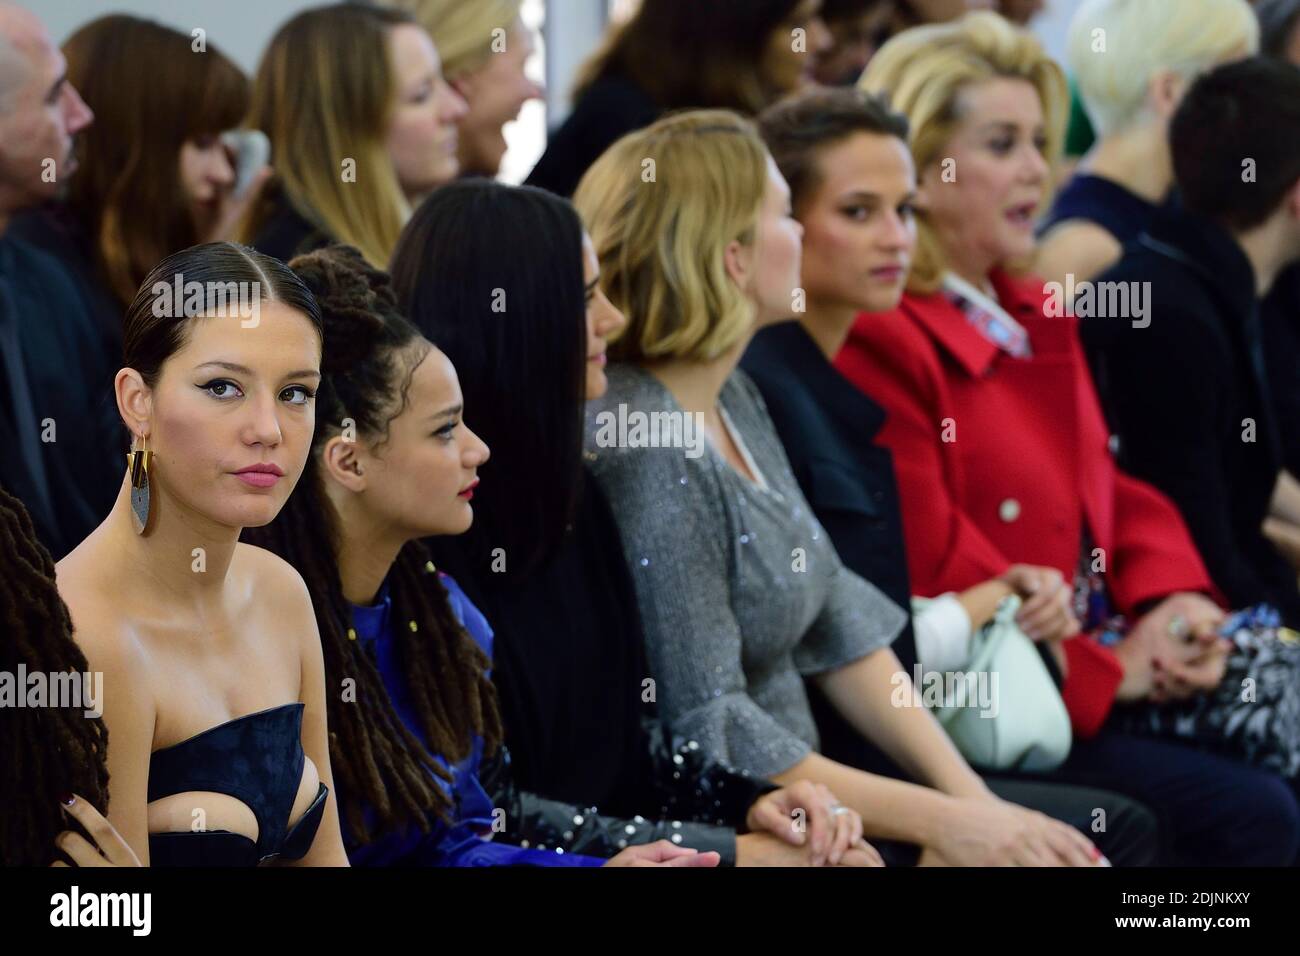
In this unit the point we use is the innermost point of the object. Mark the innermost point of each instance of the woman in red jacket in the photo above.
(1001, 449)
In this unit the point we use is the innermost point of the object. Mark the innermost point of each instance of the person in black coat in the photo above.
(1280, 331)
(55, 230)
(59, 430)
(1182, 374)
(681, 54)
(284, 232)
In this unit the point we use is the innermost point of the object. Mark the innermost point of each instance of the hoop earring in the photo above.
(138, 463)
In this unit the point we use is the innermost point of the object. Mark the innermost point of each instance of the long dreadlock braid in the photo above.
(370, 353)
(45, 751)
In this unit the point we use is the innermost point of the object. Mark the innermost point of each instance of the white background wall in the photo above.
(1052, 24)
(240, 28)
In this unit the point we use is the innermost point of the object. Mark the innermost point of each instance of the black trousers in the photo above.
(1118, 824)
(1123, 829)
(1213, 810)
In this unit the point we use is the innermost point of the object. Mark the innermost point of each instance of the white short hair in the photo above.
(1116, 46)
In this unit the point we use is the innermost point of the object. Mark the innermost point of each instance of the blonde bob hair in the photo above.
(324, 95)
(1115, 47)
(662, 205)
(923, 72)
(464, 32)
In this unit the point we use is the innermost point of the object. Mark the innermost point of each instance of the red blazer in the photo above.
(1003, 460)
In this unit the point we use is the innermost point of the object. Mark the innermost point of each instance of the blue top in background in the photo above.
(1122, 213)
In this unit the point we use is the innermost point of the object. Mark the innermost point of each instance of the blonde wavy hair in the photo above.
(324, 94)
(661, 205)
(462, 32)
(923, 72)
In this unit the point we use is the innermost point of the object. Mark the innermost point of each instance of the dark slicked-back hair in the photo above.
(1235, 141)
(157, 324)
(801, 127)
(46, 752)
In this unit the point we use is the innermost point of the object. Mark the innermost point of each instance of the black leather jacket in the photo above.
(698, 803)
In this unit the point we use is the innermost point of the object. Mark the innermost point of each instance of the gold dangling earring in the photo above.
(138, 463)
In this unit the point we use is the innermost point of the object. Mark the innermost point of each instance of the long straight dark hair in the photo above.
(492, 275)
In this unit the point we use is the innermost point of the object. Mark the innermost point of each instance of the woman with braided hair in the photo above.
(213, 688)
(412, 711)
(54, 749)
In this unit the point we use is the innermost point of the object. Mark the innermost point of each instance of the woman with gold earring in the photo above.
(209, 647)
(137, 463)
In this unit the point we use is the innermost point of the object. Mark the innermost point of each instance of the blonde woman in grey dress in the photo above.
(741, 592)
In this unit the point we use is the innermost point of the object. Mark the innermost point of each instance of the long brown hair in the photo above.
(151, 92)
(370, 354)
(692, 55)
(324, 95)
(45, 751)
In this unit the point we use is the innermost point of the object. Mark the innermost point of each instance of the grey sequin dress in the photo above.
(740, 589)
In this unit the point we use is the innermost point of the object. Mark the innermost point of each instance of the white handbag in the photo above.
(1003, 711)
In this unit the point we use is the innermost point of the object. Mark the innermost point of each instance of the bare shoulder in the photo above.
(269, 570)
(277, 588)
(100, 625)
(106, 634)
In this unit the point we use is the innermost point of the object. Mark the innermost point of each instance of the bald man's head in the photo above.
(40, 112)
(24, 42)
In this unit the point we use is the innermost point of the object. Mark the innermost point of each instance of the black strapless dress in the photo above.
(256, 759)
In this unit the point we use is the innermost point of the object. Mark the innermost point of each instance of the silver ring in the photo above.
(838, 809)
